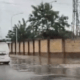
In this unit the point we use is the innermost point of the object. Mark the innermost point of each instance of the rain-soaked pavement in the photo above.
(25, 70)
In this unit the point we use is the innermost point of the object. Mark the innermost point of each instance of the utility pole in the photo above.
(16, 28)
(75, 20)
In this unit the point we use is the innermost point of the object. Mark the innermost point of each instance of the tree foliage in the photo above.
(44, 19)
(44, 22)
(23, 32)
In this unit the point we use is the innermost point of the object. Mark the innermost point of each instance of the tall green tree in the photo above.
(44, 18)
(23, 32)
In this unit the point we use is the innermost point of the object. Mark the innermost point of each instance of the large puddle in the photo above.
(46, 72)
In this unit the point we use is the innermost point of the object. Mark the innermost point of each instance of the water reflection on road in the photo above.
(45, 72)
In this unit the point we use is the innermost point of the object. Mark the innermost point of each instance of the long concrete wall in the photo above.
(72, 46)
(56, 45)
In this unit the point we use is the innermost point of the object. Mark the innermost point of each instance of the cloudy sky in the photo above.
(8, 8)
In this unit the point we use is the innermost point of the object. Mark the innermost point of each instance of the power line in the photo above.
(3, 2)
(56, 2)
(53, 1)
(8, 3)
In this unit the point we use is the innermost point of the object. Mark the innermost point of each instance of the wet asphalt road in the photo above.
(12, 72)
(7, 73)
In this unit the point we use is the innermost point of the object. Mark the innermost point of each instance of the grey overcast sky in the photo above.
(7, 10)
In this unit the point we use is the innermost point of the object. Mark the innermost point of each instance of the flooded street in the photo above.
(7, 73)
(26, 70)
